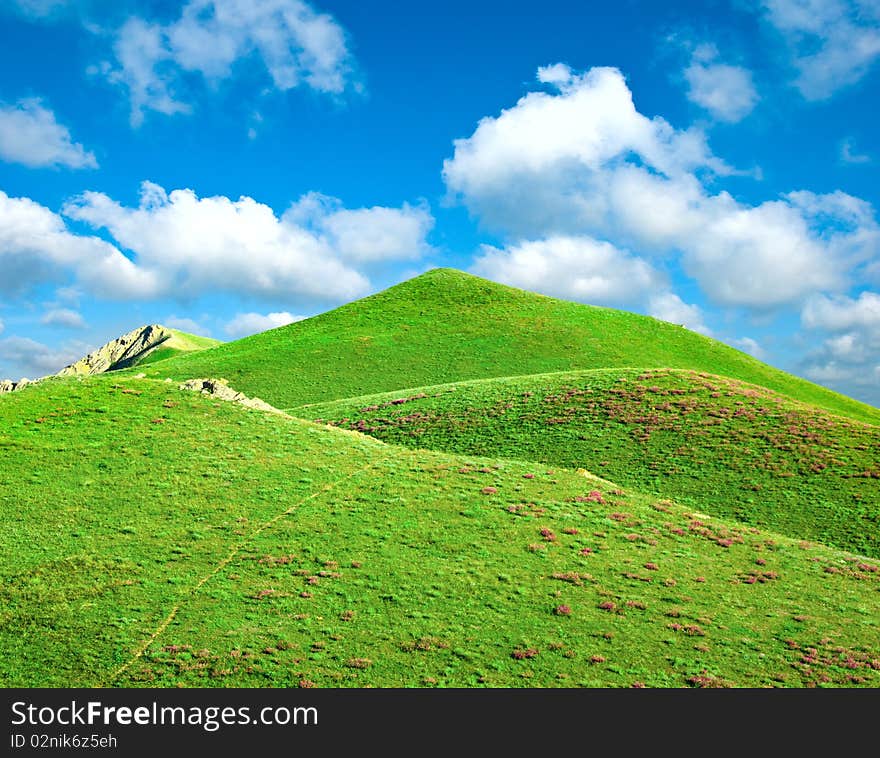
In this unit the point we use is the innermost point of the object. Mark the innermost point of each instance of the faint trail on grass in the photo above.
(223, 564)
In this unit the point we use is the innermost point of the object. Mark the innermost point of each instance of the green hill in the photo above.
(179, 343)
(446, 326)
(726, 448)
(157, 537)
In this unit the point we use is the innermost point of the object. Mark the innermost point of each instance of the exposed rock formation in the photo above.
(120, 353)
(7, 385)
(116, 354)
(220, 389)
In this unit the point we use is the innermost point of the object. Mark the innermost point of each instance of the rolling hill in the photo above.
(446, 326)
(608, 500)
(727, 448)
(164, 538)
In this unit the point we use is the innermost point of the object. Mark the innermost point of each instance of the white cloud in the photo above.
(583, 161)
(574, 268)
(846, 347)
(296, 45)
(834, 43)
(842, 313)
(777, 252)
(145, 69)
(2, 326)
(194, 245)
(36, 246)
(64, 317)
(849, 357)
(668, 306)
(750, 346)
(30, 135)
(365, 235)
(245, 324)
(552, 144)
(186, 325)
(726, 91)
(180, 245)
(849, 155)
(24, 357)
(557, 74)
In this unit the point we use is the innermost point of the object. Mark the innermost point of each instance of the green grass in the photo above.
(723, 447)
(449, 326)
(154, 537)
(178, 344)
(158, 537)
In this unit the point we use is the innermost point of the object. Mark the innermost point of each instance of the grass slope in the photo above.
(448, 326)
(726, 448)
(179, 343)
(158, 537)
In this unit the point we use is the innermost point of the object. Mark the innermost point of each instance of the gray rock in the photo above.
(119, 353)
(220, 389)
(116, 354)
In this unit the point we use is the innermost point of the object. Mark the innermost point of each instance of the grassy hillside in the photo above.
(158, 537)
(448, 326)
(179, 343)
(726, 448)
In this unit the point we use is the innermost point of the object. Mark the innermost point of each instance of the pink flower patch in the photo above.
(522, 654)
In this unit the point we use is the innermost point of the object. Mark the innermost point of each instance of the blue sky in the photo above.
(226, 166)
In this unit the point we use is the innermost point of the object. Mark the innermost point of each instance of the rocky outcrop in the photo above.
(119, 353)
(116, 354)
(220, 389)
(7, 385)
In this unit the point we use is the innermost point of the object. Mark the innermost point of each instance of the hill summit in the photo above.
(447, 326)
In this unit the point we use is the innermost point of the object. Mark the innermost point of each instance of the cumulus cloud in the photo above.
(245, 324)
(36, 246)
(64, 317)
(294, 43)
(834, 43)
(182, 246)
(848, 357)
(581, 160)
(667, 306)
(24, 357)
(30, 135)
(365, 235)
(191, 245)
(574, 268)
(726, 92)
(838, 314)
(552, 145)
